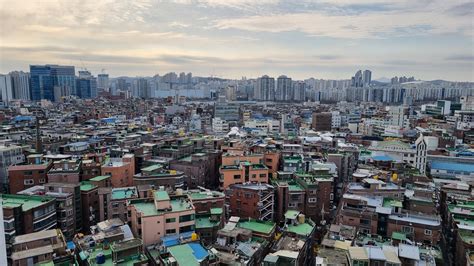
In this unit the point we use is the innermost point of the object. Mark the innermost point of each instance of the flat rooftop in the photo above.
(258, 226)
(124, 193)
(149, 208)
(25, 201)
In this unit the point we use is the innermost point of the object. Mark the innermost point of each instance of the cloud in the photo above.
(465, 9)
(178, 24)
(350, 27)
(467, 58)
(241, 37)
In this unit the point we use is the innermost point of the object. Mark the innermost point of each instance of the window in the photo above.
(42, 181)
(186, 218)
(365, 221)
(312, 200)
(186, 228)
(170, 220)
(360, 263)
(28, 181)
(254, 176)
(27, 172)
(263, 175)
(428, 232)
(291, 205)
(170, 231)
(237, 176)
(407, 229)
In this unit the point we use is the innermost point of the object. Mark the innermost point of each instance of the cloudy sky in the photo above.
(234, 38)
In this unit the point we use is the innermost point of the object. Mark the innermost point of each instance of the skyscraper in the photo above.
(86, 85)
(51, 82)
(265, 89)
(103, 82)
(284, 91)
(361, 79)
(21, 85)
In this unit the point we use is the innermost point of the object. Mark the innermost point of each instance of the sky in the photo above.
(328, 39)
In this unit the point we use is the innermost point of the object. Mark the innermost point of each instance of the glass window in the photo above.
(171, 220)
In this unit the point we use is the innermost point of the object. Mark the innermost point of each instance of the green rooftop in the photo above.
(124, 193)
(205, 222)
(152, 168)
(291, 214)
(399, 236)
(295, 187)
(25, 201)
(99, 178)
(217, 211)
(161, 195)
(148, 208)
(258, 226)
(134, 259)
(204, 195)
(87, 186)
(388, 202)
(184, 255)
(186, 159)
(301, 229)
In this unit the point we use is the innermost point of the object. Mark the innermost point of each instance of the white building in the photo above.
(21, 85)
(421, 154)
(219, 126)
(264, 125)
(9, 155)
(403, 152)
(336, 119)
(6, 89)
(398, 116)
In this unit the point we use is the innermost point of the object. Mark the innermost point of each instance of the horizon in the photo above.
(429, 40)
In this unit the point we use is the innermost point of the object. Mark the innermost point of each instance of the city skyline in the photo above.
(231, 39)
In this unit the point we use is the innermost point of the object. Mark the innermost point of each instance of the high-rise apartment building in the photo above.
(51, 82)
(265, 89)
(6, 89)
(21, 85)
(284, 91)
(361, 79)
(367, 77)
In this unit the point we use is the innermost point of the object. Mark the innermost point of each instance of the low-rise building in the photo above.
(48, 246)
(162, 215)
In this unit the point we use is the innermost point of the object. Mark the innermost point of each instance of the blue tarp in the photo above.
(452, 166)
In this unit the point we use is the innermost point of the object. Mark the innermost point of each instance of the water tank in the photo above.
(100, 259)
(194, 237)
(179, 191)
(301, 218)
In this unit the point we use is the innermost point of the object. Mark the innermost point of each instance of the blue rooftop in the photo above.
(199, 252)
(173, 240)
(21, 118)
(450, 166)
(382, 158)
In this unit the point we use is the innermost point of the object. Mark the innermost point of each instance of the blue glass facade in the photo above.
(44, 78)
(86, 87)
